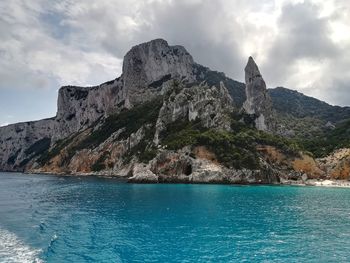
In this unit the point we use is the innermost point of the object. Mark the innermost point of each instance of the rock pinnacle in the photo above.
(258, 102)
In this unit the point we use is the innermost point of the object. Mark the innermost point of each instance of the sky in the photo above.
(301, 45)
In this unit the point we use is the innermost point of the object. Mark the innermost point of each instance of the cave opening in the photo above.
(188, 169)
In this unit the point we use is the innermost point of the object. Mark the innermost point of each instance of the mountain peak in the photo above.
(151, 61)
(251, 70)
(258, 102)
(159, 42)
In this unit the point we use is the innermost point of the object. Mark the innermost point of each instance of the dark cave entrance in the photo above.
(188, 169)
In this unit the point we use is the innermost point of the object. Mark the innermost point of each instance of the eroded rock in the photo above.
(258, 102)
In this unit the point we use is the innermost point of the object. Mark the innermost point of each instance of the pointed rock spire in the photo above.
(258, 102)
(251, 70)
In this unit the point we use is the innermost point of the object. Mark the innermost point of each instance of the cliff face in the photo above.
(210, 106)
(148, 65)
(78, 108)
(165, 119)
(145, 68)
(16, 139)
(258, 102)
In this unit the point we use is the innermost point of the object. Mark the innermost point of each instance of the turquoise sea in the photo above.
(68, 219)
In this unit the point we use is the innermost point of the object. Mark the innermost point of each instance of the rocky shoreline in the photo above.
(319, 182)
(302, 183)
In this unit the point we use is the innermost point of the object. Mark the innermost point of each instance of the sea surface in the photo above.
(47, 218)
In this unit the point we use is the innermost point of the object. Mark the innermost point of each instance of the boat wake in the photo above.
(13, 250)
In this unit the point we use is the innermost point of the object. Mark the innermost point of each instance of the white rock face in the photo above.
(149, 64)
(170, 166)
(143, 174)
(146, 68)
(209, 105)
(258, 102)
(16, 138)
(78, 108)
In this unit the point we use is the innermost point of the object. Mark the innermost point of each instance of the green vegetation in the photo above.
(39, 147)
(301, 106)
(159, 83)
(47, 155)
(24, 162)
(236, 149)
(213, 78)
(100, 163)
(233, 149)
(306, 127)
(129, 120)
(144, 151)
(323, 145)
(12, 159)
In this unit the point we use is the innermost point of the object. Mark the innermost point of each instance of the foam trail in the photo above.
(13, 250)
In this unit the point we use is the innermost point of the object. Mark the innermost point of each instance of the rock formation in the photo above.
(165, 119)
(210, 105)
(258, 102)
(78, 108)
(147, 66)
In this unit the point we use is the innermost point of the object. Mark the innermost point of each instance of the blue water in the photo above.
(65, 219)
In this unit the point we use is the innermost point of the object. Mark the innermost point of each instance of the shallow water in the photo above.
(66, 219)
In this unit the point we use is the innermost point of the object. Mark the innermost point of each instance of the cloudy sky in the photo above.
(44, 44)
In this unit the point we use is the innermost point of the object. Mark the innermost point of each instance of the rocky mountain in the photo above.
(258, 102)
(306, 117)
(298, 115)
(298, 105)
(169, 119)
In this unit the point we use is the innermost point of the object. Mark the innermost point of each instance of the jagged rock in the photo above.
(258, 102)
(210, 105)
(337, 164)
(16, 139)
(330, 125)
(145, 68)
(179, 167)
(148, 65)
(79, 107)
(189, 92)
(143, 174)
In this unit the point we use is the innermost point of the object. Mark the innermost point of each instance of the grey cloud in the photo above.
(205, 28)
(302, 34)
(340, 92)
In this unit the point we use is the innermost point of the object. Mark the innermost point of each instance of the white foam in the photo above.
(13, 250)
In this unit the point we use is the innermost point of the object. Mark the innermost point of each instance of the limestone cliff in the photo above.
(258, 102)
(78, 108)
(210, 105)
(145, 68)
(337, 164)
(165, 119)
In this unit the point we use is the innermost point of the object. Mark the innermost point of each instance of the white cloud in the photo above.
(31, 57)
